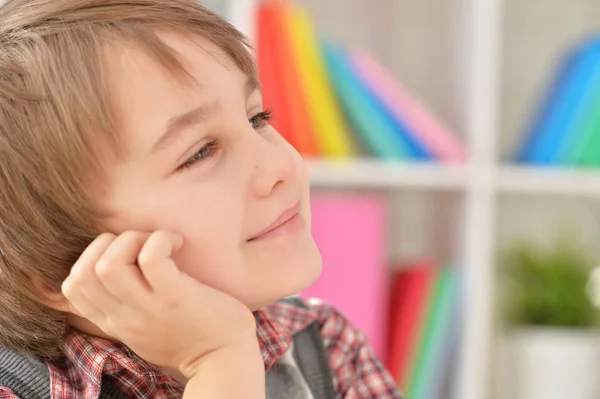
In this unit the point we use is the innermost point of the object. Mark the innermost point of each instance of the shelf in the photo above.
(366, 173)
(549, 181)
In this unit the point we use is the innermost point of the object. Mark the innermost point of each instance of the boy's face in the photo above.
(245, 175)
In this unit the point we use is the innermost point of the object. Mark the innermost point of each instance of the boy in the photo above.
(151, 219)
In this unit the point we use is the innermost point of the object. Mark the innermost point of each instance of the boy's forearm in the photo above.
(230, 373)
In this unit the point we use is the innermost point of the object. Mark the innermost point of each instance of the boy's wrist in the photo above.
(212, 376)
(244, 353)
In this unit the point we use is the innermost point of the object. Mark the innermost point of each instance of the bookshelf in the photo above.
(480, 65)
(373, 174)
(508, 180)
(567, 183)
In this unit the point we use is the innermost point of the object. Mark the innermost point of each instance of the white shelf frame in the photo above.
(374, 174)
(563, 182)
(367, 174)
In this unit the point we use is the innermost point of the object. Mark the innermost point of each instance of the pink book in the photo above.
(351, 233)
(396, 100)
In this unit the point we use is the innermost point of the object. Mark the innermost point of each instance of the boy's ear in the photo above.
(49, 296)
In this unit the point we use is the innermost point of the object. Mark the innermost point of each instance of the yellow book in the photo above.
(333, 137)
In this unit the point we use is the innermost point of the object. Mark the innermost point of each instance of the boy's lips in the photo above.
(289, 220)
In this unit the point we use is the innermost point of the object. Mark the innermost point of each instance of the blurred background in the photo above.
(454, 154)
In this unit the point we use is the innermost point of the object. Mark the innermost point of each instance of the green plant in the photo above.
(548, 286)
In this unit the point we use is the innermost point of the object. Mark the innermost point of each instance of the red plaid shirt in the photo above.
(357, 373)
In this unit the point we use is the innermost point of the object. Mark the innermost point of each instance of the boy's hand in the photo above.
(130, 287)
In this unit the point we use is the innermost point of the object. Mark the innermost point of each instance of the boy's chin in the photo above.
(291, 284)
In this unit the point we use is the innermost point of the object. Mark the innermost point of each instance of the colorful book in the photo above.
(443, 371)
(435, 338)
(293, 97)
(332, 134)
(268, 70)
(583, 148)
(586, 151)
(368, 121)
(574, 148)
(562, 109)
(417, 151)
(412, 290)
(406, 110)
(350, 231)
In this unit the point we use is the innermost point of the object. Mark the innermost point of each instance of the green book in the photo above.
(366, 118)
(433, 342)
(584, 150)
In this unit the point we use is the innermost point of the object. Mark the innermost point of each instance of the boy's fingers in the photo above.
(162, 275)
(124, 249)
(160, 245)
(86, 284)
(80, 304)
(155, 259)
(129, 286)
(95, 291)
(118, 272)
(95, 250)
(82, 279)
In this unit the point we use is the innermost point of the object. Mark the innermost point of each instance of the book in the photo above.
(411, 296)
(366, 118)
(579, 139)
(582, 147)
(293, 96)
(428, 131)
(437, 335)
(416, 150)
(443, 371)
(333, 138)
(268, 72)
(351, 233)
(558, 115)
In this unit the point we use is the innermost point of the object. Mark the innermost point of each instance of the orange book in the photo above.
(331, 131)
(291, 98)
(268, 73)
(302, 127)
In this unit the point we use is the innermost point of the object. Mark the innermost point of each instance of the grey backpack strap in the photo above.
(28, 377)
(313, 361)
(312, 358)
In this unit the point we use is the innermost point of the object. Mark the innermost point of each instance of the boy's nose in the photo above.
(273, 165)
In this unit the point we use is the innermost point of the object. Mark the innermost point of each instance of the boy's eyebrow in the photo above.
(176, 124)
(194, 117)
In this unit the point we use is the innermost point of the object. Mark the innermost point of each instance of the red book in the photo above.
(301, 125)
(410, 295)
(268, 73)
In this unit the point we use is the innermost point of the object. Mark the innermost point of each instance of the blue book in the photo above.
(416, 148)
(366, 118)
(563, 106)
(584, 120)
(441, 373)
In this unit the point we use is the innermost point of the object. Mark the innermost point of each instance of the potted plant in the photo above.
(553, 341)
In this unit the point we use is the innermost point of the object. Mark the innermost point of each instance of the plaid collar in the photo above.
(90, 357)
(275, 327)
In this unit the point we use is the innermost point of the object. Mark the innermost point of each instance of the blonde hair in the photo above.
(56, 126)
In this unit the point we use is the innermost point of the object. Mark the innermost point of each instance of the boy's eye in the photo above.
(203, 153)
(259, 120)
